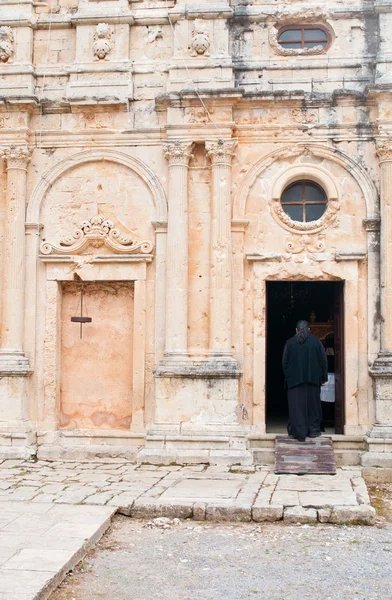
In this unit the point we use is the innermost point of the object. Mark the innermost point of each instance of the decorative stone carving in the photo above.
(278, 49)
(302, 115)
(327, 219)
(384, 150)
(154, 32)
(102, 41)
(200, 42)
(6, 43)
(97, 232)
(196, 114)
(17, 157)
(221, 151)
(178, 153)
(3, 120)
(305, 242)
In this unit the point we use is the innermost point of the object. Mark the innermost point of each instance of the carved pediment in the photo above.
(97, 232)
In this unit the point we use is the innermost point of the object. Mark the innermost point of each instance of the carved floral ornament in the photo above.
(6, 43)
(221, 151)
(102, 41)
(305, 243)
(178, 153)
(97, 232)
(17, 157)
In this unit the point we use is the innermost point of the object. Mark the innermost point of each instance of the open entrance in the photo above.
(320, 303)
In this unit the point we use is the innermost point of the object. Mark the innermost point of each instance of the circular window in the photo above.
(304, 201)
(303, 36)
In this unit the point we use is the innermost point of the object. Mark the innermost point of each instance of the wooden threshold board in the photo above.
(315, 455)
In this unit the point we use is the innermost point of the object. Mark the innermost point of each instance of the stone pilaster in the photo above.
(12, 358)
(178, 155)
(381, 369)
(220, 153)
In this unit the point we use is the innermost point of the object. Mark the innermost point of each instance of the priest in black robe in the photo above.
(305, 368)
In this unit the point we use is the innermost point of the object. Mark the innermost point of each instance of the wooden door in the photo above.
(339, 355)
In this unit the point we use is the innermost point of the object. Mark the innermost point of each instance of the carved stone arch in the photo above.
(337, 156)
(64, 165)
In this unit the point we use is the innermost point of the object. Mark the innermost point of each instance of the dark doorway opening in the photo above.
(320, 303)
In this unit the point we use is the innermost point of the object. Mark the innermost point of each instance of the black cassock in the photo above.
(305, 367)
(304, 410)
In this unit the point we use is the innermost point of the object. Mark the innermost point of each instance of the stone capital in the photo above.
(17, 157)
(178, 153)
(221, 151)
(384, 150)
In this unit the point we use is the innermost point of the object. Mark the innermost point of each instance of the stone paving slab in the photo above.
(40, 543)
(52, 512)
(217, 492)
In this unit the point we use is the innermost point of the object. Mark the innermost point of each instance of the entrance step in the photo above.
(314, 456)
(348, 449)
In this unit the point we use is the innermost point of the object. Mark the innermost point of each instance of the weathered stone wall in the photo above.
(181, 124)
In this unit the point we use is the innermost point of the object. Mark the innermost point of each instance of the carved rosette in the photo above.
(221, 151)
(97, 232)
(178, 153)
(384, 150)
(6, 43)
(102, 41)
(200, 43)
(17, 157)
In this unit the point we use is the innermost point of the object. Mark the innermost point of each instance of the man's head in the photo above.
(302, 331)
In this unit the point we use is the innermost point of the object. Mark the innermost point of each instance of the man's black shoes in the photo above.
(314, 435)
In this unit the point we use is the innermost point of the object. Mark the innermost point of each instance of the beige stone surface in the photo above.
(182, 124)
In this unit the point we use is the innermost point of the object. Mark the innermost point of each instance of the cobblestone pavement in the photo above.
(209, 561)
(204, 493)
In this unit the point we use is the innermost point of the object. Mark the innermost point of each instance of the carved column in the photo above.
(381, 369)
(220, 153)
(11, 354)
(178, 155)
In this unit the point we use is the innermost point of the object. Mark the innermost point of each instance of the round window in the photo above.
(304, 201)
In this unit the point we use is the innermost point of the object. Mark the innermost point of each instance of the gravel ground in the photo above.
(197, 561)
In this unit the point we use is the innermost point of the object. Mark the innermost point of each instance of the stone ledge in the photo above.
(237, 512)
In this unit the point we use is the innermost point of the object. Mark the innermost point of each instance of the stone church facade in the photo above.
(176, 179)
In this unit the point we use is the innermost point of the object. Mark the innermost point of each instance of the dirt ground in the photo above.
(136, 560)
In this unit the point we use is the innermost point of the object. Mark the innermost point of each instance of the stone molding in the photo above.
(6, 43)
(384, 150)
(97, 232)
(100, 154)
(178, 153)
(17, 157)
(221, 152)
(372, 224)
